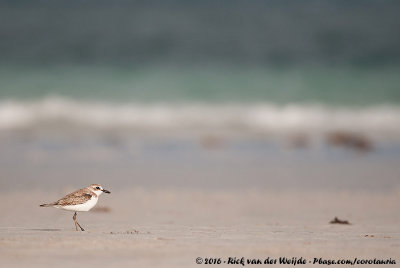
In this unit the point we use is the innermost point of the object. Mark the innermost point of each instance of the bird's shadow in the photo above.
(45, 230)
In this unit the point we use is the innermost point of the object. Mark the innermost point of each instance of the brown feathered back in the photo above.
(78, 197)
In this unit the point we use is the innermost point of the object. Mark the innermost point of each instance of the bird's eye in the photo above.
(98, 188)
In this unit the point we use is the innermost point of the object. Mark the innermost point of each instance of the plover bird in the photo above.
(81, 200)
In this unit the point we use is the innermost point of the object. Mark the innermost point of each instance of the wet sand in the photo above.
(172, 227)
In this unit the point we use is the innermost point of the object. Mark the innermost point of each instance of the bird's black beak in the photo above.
(107, 192)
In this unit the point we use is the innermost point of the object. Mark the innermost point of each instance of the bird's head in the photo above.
(97, 189)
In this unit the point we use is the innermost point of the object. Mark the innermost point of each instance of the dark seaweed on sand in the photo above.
(336, 220)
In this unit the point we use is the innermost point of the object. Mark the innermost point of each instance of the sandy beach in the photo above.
(230, 133)
(174, 200)
(171, 228)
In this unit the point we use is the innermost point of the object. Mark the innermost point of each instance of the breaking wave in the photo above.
(73, 115)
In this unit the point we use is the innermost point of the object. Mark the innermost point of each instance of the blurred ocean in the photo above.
(88, 86)
(255, 66)
(258, 100)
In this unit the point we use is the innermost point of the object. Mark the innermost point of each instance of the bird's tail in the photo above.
(47, 205)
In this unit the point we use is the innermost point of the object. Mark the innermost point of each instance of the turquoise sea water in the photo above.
(281, 52)
(342, 86)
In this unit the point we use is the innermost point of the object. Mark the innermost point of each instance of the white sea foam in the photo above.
(63, 113)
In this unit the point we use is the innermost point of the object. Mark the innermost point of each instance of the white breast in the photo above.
(83, 207)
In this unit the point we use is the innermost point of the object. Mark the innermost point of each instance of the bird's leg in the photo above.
(80, 226)
(76, 223)
(74, 218)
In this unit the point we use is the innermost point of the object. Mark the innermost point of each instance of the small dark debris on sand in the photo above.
(336, 220)
(350, 140)
(101, 209)
(133, 231)
(369, 236)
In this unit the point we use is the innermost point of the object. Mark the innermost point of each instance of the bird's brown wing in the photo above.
(78, 197)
